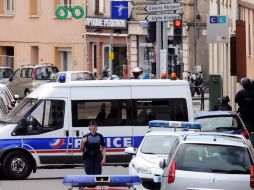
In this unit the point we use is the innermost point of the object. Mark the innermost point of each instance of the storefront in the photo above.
(107, 41)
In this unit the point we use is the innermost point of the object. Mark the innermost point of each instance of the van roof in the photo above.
(42, 90)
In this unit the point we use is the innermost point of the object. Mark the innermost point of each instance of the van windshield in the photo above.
(20, 111)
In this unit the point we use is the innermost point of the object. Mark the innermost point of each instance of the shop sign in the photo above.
(105, 23)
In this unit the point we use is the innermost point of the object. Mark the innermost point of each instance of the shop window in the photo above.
(66, 3)
(34, 7)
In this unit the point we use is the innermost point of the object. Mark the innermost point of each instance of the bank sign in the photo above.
(105, 23)
(217, 29)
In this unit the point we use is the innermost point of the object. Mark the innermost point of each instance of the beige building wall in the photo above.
(22, 30)
(247, 14)
(219, 54)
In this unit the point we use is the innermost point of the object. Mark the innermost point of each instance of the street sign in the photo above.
(163, 7)
(217, 29)
(162, 17)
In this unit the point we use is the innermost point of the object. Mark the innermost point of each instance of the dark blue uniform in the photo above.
(245, 100)
(92, 153)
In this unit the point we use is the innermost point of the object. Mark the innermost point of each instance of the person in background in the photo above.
(222, 104)
(245, 100)
(94, 151)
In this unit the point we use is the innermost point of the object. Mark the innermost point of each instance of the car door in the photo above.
(46, 132)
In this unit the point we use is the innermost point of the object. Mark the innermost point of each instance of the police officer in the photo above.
(94, 152)
(245, 100)
(223, 105)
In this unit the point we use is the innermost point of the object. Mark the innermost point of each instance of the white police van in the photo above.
(45, 130)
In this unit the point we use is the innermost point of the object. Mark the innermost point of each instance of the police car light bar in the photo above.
(101, 180)
(174, 124)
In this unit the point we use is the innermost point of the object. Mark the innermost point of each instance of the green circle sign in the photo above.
(77, 12)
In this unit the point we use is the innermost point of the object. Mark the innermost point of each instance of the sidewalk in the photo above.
(196, 101)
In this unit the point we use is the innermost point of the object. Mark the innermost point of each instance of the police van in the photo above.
(45, 130)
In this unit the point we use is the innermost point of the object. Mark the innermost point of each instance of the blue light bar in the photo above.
(95, 180)
(174, 124)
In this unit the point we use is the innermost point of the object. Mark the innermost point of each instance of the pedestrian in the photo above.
(245, 100)
(222, 104)
(94, 151)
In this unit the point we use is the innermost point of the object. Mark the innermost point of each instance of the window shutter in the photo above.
(56, 4)
(1, 6)
(33, 7)
(233, 55)
(240, 49)
(96, 12)
(101, 6)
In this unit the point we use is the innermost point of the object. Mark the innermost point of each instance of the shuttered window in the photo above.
(1, 6)
(34, 7)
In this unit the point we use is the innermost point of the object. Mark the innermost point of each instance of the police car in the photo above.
(155, 146)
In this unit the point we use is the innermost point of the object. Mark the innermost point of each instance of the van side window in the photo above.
(106, 113)
(47, 116)
(161, 109)
(16, 74)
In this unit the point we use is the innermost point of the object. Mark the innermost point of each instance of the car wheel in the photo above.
(149, 185)
(2, 176)
(17, 165)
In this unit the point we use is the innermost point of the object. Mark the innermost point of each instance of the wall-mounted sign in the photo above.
(105, 23)
(217, 29)
(119, 9)
(77, 12)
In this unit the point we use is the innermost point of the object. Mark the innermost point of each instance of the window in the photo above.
(213, 159)
(163, 109)
(26, 73)
(106, 113)
(8, 6)
(128, 112)
(99, 7)
(46, 116)
(34, 7)
(66, 3)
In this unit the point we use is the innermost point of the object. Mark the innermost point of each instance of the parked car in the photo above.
(5, 74)
(68, 76)
(221, 121)
(28, 77)
(13, 98)
(209, 161)
(156, 144)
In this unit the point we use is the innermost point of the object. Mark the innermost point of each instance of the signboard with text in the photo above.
(217, 29)
(105, 23)
(162, 17)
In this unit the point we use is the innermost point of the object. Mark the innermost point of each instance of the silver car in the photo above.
(209, 161)
(28, 77)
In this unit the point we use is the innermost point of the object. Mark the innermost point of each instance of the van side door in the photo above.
(44, 131)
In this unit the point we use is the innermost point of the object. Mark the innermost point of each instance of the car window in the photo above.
(17, 74)
(219, 123)
(41, 73)
(26, 73)
(157, 144)
(213, 158)
(82, 76)
(5, 73)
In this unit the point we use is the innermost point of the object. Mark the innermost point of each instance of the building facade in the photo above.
(32, 34)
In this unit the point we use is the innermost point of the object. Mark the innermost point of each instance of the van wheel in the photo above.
(2, 176)
(17, 165)
(150, 185)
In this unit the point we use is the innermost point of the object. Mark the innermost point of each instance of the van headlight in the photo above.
(141, 168)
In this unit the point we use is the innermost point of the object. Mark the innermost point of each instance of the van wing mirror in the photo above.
(163, 163)
(130, 150)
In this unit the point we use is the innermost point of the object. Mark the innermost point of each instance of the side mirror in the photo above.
(130, 150)
(11, 78)
(16, 96)
(163, 163)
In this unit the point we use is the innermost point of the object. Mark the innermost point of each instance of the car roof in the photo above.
(37, 65)
(213, 113)
(214, 139)
(170, 133)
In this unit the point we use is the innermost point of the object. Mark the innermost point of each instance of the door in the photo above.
(45, 132)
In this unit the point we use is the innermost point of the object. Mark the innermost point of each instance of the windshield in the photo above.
(218, 123)
(213, 159)
(159, 144)
(20, 111)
